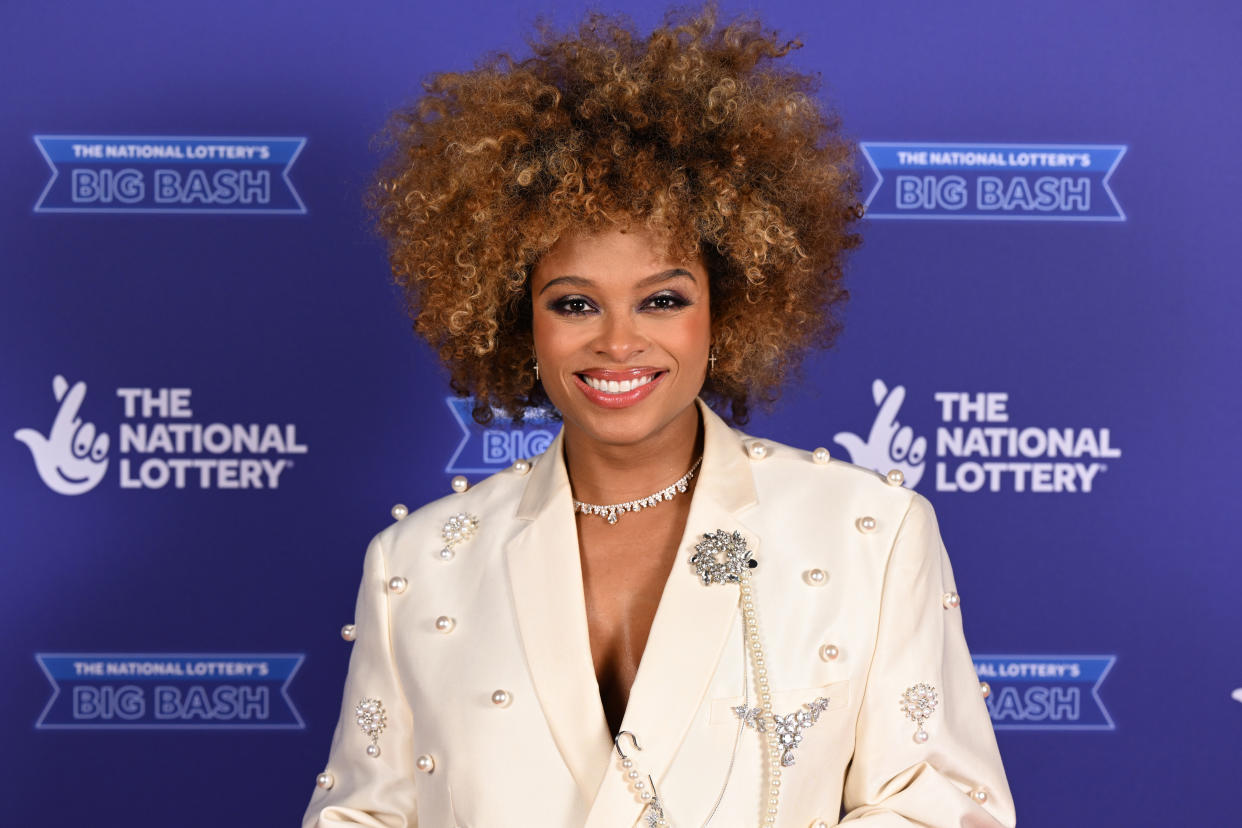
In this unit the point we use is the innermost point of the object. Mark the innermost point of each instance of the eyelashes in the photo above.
(577, 305)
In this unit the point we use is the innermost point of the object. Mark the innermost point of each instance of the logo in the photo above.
(72, 458)
(160, 445)
(1039, 692)
(175, 691)
(889, 445)
(977, 448)
(168, 174)
(488, 449)
(1018, 182)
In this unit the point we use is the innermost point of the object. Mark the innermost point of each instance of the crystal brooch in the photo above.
(371, 720)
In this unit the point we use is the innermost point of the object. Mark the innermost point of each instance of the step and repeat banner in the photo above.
(213, 398)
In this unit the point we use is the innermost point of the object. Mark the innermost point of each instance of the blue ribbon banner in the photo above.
(168, 174)
(1016, 182)
(487, 449)
(1046, 692)
(169, 691)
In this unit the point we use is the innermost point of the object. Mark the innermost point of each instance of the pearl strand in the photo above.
(759, 663)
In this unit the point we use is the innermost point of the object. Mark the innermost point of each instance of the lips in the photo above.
(618, 389)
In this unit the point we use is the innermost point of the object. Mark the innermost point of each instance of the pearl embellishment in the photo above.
(985, 689)
(979, 795)
(325, 780)
(757, 451)
(821, 456)
(460, 484)
(951, 600)
(445, 624)
(501, 698)
(829, 652)
(425, 763)
(397, 584)
(815, 577)
(399, 511)
(895, 477)
(521, 466)
(349, 632)
(373, 751)
(866, 524)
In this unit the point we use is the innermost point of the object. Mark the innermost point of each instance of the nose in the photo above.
(620, 338)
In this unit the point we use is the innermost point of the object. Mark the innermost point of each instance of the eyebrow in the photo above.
(662, 276)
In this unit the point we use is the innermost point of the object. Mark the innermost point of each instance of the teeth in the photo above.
(615, 387)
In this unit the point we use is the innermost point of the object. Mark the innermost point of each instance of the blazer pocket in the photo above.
(785, 701)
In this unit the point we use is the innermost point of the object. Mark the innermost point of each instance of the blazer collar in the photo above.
(689, 631)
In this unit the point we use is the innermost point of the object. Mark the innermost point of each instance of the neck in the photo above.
(605, 473)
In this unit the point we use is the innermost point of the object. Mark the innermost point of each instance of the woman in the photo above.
(659, 619)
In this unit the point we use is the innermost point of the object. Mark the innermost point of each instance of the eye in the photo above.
(571, 306)
(666, 300)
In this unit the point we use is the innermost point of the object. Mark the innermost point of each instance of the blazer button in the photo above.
(399, 511)
(349, 632)
(865, 524)
(425, 763)
(397, 584)
(325, 780)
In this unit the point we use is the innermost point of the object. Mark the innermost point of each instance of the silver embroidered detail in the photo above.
(721, 557)
(372, 720)
(788, 728)
(611, 511)
(919, 703)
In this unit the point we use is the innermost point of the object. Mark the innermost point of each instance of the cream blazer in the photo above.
(454, 753)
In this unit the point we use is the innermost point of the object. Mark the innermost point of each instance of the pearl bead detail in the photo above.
(501, 698)
(460, 484)
(951, 600)
(349, 632)
(819, 823)
(373, 751)
(521, 466)
(397, 584)
(325, 780)
(866, 524)
(757, 451)
(399, 511)
(821, 456)
(425, 763)
(446, 553)
(979, 795)
(445, 624)
(985, 689)
(895, 477)
(829, 652)
(920, 736)
(815, 577)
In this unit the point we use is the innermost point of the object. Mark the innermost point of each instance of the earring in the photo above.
(536, 368)
(711, 361)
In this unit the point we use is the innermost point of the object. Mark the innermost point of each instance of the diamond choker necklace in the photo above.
(611, 512)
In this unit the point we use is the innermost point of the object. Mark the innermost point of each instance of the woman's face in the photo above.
(622, 333)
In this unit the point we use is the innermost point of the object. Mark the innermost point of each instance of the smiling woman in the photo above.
(659, 617)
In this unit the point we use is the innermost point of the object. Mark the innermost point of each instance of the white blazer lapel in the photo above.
(691, 627)
(545, 573)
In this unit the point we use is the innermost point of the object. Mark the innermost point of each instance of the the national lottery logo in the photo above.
(488, 449)
(168, 174)
(976, 446)
(1026, 182)
(160, 444)
(1046, 692)
(175, 691)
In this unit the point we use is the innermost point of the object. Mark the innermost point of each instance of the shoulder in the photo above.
(480, 511)
(815, 484)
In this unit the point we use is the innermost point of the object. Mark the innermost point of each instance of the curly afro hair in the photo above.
(697, 131)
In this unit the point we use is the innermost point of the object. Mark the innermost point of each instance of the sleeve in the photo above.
(953, 776)
(355, 787)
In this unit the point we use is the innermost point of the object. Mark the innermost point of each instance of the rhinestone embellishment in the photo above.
(918, 703)
(372, 720)
(457, 529)
(788, 728)
(613, 510)
(720, 557)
